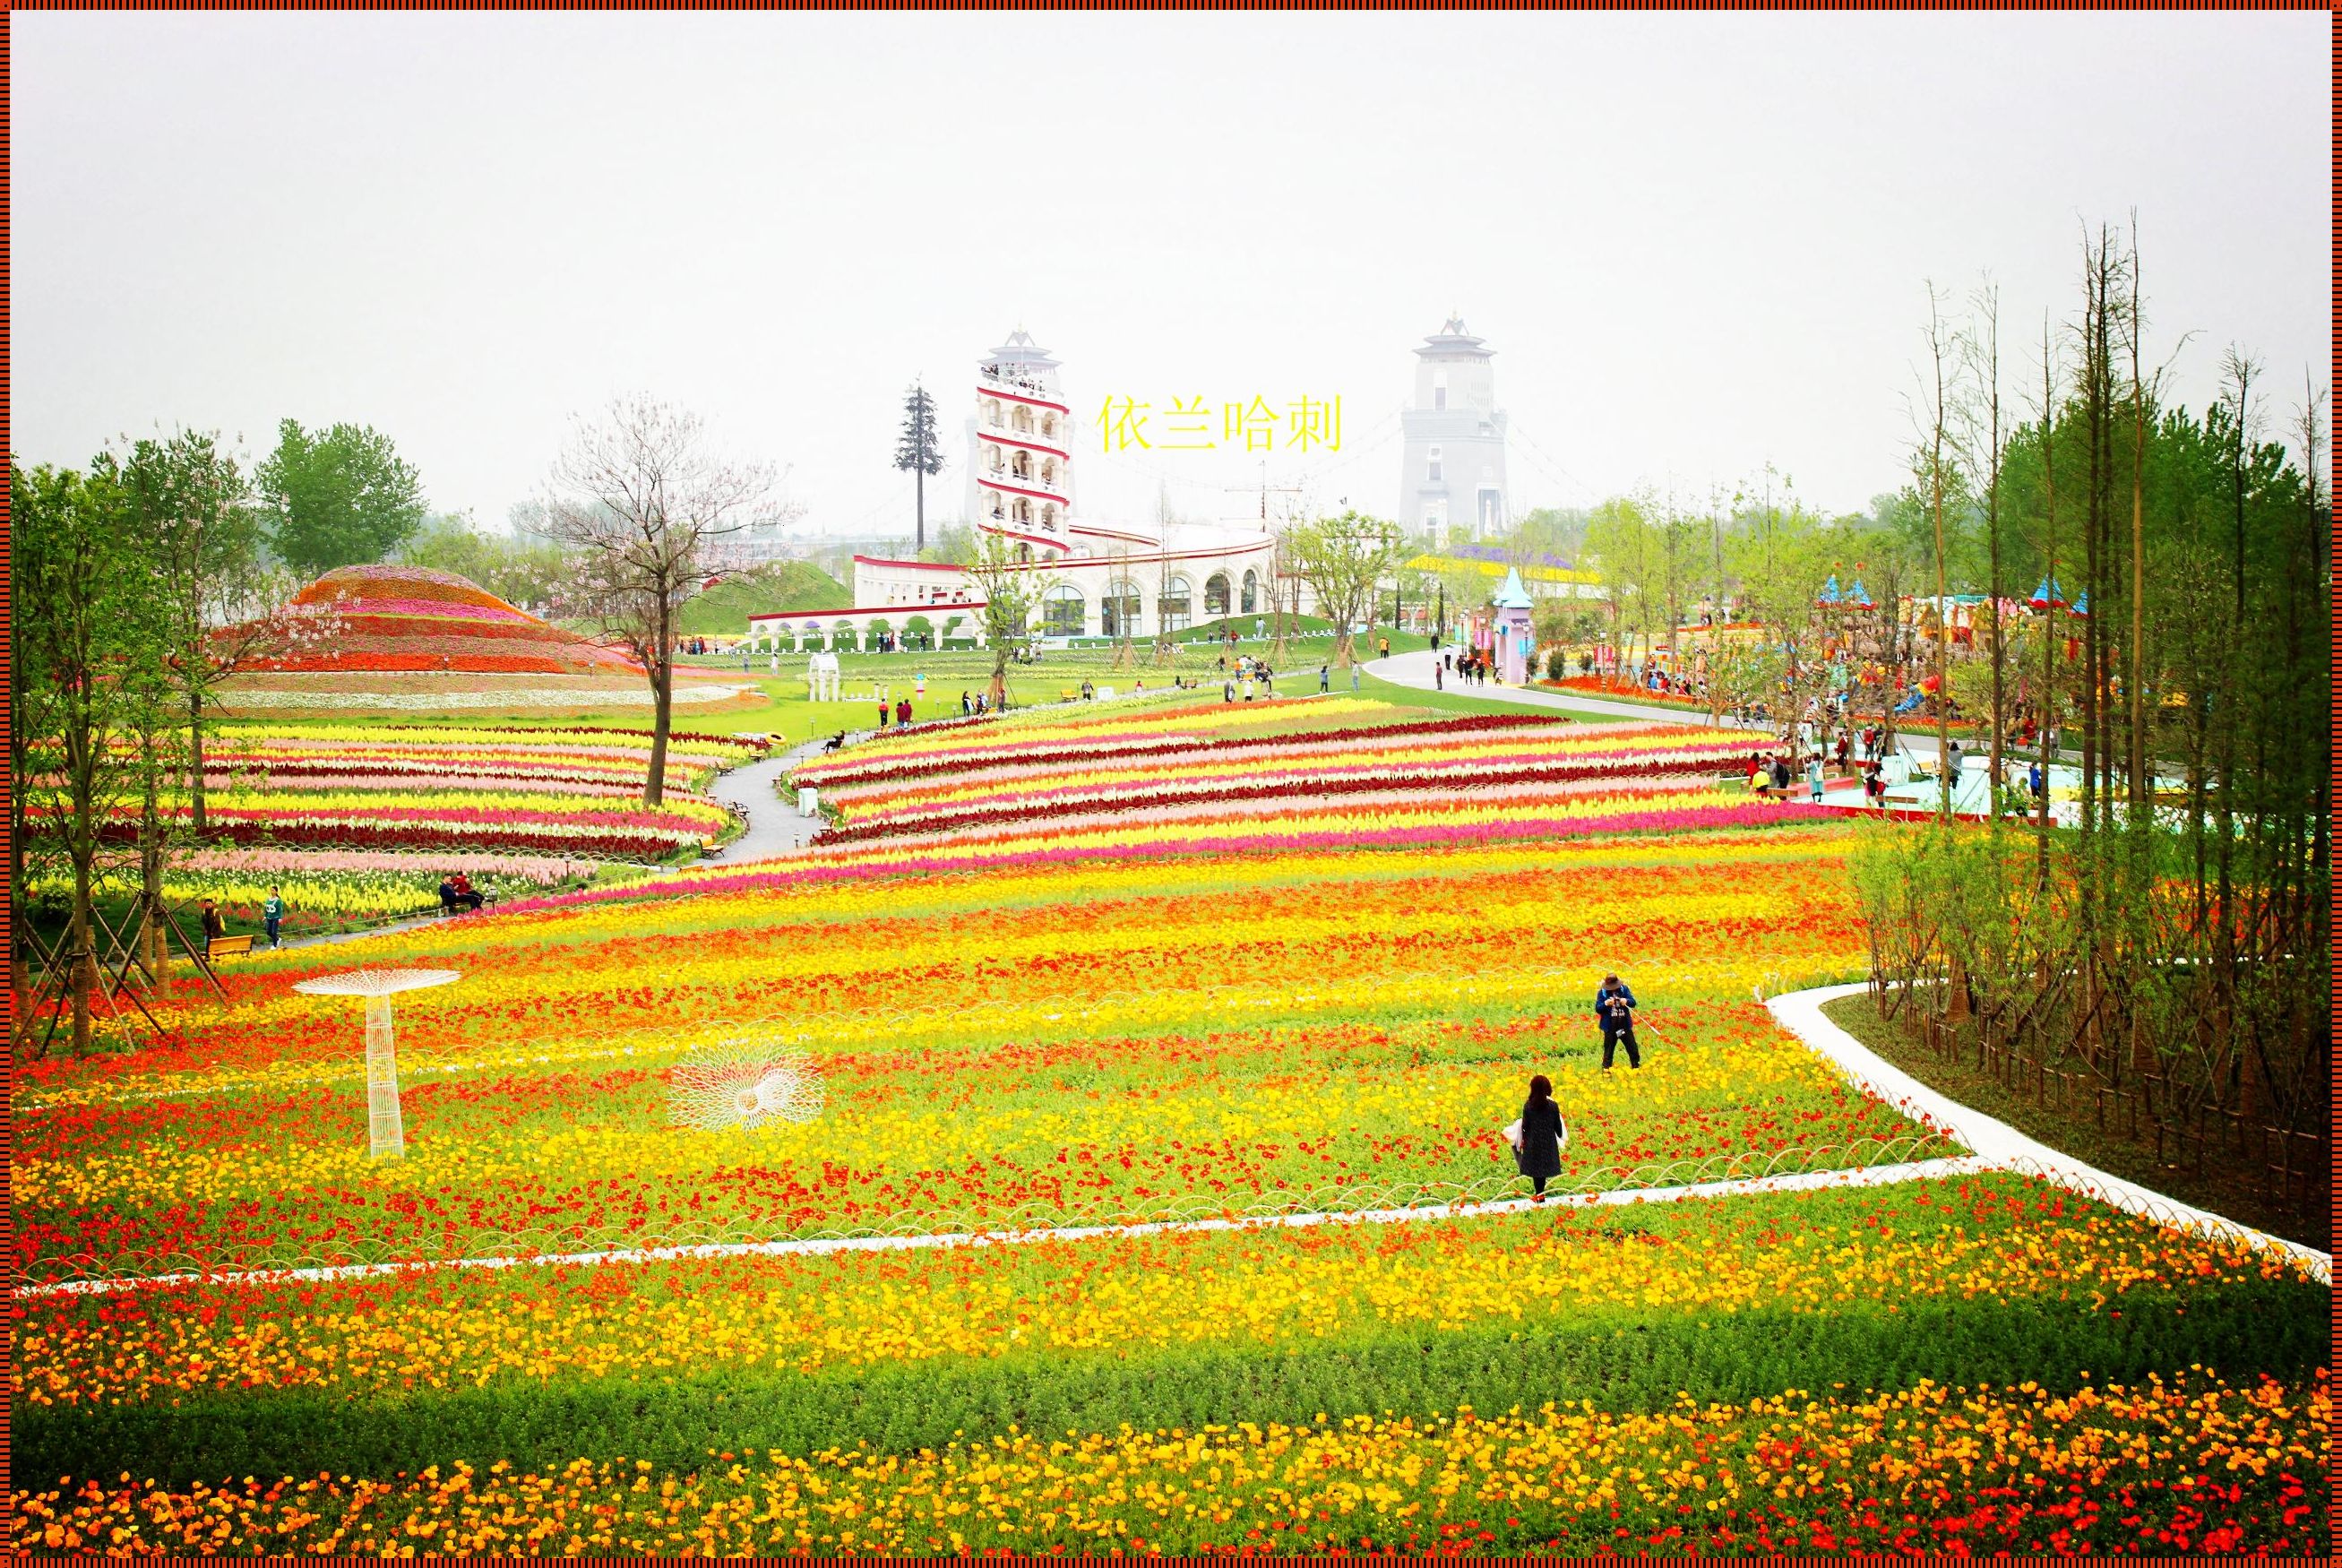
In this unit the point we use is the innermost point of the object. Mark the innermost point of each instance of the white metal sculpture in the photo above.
(386, 1130)
(746, 1082)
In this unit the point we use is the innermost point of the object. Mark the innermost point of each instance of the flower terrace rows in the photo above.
(1036, 997)
(352, 821)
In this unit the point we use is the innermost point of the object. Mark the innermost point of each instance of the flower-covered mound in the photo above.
(412, 618)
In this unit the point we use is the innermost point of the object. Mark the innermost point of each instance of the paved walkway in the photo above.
(1997, 1144)
(774, 825)
(1794, 1181)
(1415, 669)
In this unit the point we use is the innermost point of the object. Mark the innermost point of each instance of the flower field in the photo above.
(1230, 1001)
(352, 821)
(1177, 760)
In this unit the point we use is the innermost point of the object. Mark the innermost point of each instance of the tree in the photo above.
(1983, 347)
(1013, 591)
(88, 644)
(1620, 541)
(1933, 459)
(917, 453)
(522, 570)
(1343, 560)
(636, 495)
(337, 497)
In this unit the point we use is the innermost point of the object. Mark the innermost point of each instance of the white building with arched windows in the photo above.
(1105, 580)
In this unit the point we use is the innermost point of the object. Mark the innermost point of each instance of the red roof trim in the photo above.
(1054, 500)
(984, 391)
(1020, 441)
(921, 566)
(889, 610)
(1029, 538)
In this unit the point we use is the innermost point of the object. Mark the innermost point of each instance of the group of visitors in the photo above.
(968, 706)
(272, 916)
(1472, 667)
(1247, 672)
(899, 710)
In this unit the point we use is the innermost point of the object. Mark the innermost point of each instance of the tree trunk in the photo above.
(2139, 791)
(662, 672)
(196, 762)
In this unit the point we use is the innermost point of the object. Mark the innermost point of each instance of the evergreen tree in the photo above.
(917, 452)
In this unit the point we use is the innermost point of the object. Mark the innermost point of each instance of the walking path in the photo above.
(1794, 1181)
(775, 827)
(1414, 669)
(1999, 1145)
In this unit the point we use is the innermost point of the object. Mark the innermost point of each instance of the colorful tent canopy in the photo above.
(1829, 593)
(2048, 594)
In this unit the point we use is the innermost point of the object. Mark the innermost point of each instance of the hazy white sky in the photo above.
(1698, 243)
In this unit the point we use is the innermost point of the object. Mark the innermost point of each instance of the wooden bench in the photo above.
(221, 947)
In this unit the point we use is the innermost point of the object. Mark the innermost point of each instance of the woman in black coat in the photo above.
(1540, 1150)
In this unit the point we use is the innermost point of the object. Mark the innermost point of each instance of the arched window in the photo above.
(1049, 517)
(999, 514)
(1251, 593)
(992, 458)
(1175, 609)
(1024, 417)
(1064, 612)
(1118, 611)
(1049, 470)
(992, 412)
(1022, 465)
(1433, 476)
(1023, 510)
(1048, 424)
(1216, 593)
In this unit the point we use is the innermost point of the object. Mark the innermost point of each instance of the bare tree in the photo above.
(1983, 343)
(2048, 718)
(637, 493)
(1934, 459)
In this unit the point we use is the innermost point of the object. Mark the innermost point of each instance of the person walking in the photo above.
(1438, 679)
(1324, 677)
(213, 926)
(965, 706)
(1354, 674)
(272, 913)
(1538, 1152)
(1383, 646)
(883, 711)
(1614, 1005)
(903, 710)
(1813, 776)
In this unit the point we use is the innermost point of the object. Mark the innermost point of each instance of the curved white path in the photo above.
(1793, 1182)
(1999, 1145)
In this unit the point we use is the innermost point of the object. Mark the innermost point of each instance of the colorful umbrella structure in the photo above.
(2047, 594)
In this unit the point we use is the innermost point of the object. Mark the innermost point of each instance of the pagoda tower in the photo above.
(1021, 448)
